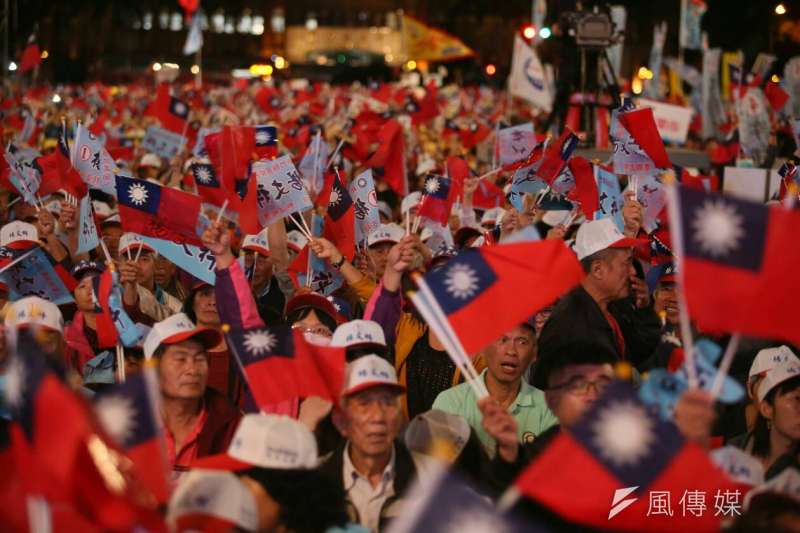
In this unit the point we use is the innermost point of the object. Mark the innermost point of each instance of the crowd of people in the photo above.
(405, 408)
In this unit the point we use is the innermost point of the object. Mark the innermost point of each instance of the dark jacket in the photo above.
(220, 424)
(407, 468)
(577, 316)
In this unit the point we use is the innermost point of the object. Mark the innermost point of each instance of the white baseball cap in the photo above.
(777, 375)
(18, 235)
(130, 242)
(386, 233)
(276, 442)
(554, 218)
(358, 333)
(597, 235)
(367, 372)
(150, 160)
(178, 328)
(34, 311)
(768, 358)
(411, 201)
(206, 500)
(492, 216)
(256, 242)
(296, 240)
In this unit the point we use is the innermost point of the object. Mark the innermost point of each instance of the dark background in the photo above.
(98, 39)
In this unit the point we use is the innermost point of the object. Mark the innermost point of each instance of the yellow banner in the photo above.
(728, 59)
(430, 44)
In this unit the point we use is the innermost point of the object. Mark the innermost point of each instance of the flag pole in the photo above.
(198, 59)
(676, 233)
(725, 365)
(120, 363)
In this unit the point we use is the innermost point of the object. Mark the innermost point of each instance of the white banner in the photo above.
(672, 121)
(527, 79)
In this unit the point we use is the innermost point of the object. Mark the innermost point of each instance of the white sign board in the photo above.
(672, 121)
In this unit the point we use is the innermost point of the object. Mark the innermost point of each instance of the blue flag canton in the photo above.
(569, 146)
(339, 201)
(266, 135)
(204, 175)
(126, 411)
(461, 280)
(437, 186)
(138, 194)
(178, 108)
(723, 229)
(628, 438)
(256, 344)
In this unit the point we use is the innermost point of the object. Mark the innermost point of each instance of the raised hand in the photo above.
(632, 214)
(217, 239)
(46, 223)
(325, 249)
(502, 427)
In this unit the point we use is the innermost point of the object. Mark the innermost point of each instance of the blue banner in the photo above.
(365, 204)
(88, 238)
(312, 166)
(93, 162)
(162, 142)
(32, 274)
(24, 178)
(280, 190)
(691, 14)
(652, 87)
(610, 197)
(198, 262)
(129, 334)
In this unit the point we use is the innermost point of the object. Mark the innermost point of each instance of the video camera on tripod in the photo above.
(592, 29)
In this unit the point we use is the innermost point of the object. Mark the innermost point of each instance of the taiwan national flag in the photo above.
(585, 191)
(642, 127)
(56, 172)
(388, 161)
(437, 199)
(171, 112)
(340, 225)
(208, 186)
(149, 209)
(488, 281)
(281, 365)
(556, 156)
(739, 264)
(107, 336)
(130, 414)
(631, 479)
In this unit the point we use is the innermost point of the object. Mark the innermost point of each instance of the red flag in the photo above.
(473, 134)
(556, 155)
(533, 156)
(740, 260)
(642, 127)
(230, 151)
(488, 282)
(426, 109)
(57, 172)
(487, 195)
(107, 335)
(171, 112)
(31, 57)
(458, 170)
(281, 365)
(776, 96)
(585, 191)
(437, 199)
(340, 222)
(388, 161)
(611, 475)
(148, 209)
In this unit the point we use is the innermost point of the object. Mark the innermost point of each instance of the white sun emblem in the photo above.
(461, 281)
(258, 343)
(432, 186)
(474, 522)
(117, 416)
(137, 193)
(262, 137)
(180, 108)
(203, 175)
(334, 199)
(623, 433)
(15, 382)
(718, 228)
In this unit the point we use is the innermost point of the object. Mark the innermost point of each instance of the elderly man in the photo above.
(143, 299)
(611, 305)
(375, 470)
(198, 420)
(507, 359)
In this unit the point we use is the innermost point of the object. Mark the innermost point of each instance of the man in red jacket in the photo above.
(199, 421)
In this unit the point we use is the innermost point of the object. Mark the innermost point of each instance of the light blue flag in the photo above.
(690, 33)
(652, 87)
(651, 194)
(199, 149)
(194, 39)
(524, 180)
(162, 142)
(629, 158)
(663, 388)
(312, 166)
(24, 178)
(197, 261)
(713, 112)
(32, 274)
(280, 190)
(610, 197)
(324, 279)
(754, 124)
(527, 234)
(365, 205)
(88, 238)
(129, 333)
(93, 162)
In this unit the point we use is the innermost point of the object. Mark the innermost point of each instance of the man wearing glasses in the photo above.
(507, 359)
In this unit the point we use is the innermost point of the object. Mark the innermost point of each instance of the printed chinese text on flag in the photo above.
(280, 190)
(148, 209)
(365, 206)
(281, 365)
(488, 281)
(738, 260)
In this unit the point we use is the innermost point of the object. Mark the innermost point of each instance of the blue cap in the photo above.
(87, 267)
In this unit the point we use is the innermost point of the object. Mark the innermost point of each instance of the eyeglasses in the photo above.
(322, 331)
(580, 386)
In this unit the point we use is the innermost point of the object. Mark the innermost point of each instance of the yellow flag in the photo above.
(430, 44)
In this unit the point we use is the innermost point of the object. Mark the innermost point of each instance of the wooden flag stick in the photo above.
(221, 211)
(725, 365)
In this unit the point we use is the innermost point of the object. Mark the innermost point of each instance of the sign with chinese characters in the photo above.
(162, 142)
(515, 143)
(280, 190)
(672, 121)
(198, 262)
(365, 204)
(88, 238)
(33, 274)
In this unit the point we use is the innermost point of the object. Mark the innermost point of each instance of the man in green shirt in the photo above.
(507, 359)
